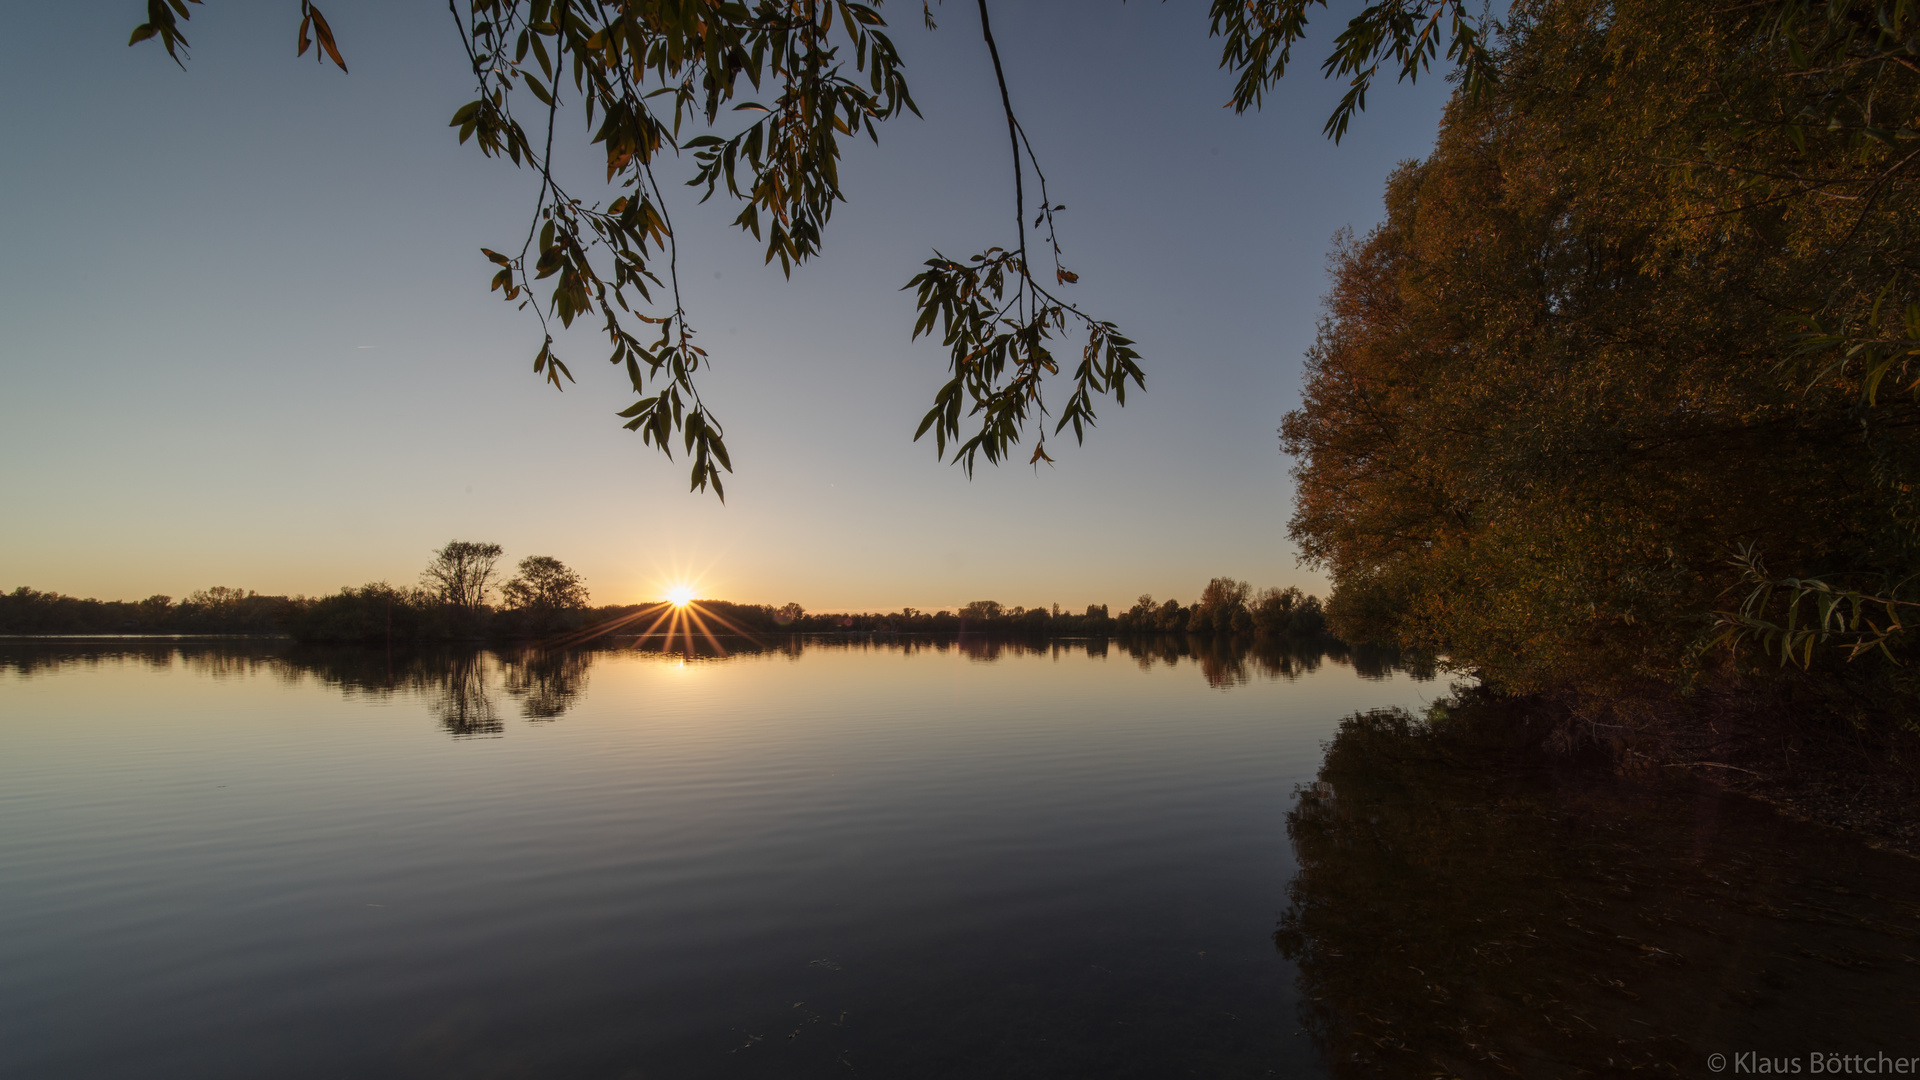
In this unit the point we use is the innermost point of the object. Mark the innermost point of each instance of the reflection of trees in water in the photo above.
(1461, 911)
(28, 657)
(1227, 662)
(1221, 663)
(1231, 661)
(988, 649)
(459, 698)
(458, 684)
(356, 672)
(455, 684)
(1374, 662)
(546, 682)
(973, 646)
(1164, 649)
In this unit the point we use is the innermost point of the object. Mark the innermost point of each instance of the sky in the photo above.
(246, 337)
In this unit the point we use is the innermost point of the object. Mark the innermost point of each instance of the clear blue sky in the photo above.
(245, 337)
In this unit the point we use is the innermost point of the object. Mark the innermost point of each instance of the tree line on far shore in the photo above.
(460, 597)
(1226, 608)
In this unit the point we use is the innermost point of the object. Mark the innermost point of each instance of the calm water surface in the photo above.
(835, 860)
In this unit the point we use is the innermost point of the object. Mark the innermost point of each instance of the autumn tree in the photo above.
(1222, 608)
(1599, 346)
(1287, 613)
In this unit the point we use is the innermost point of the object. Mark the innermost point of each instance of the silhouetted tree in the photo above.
(461, 574)
(544, 583)
(982, 611)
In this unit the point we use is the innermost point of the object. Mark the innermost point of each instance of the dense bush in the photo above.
(372, 613)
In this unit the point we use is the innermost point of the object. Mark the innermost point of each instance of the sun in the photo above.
(680, 595)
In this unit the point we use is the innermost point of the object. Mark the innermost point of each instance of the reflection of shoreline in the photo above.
(459, 683)
(1465, 906)
(1223, 661)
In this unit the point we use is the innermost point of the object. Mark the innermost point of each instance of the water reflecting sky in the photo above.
(928, 861)
(925, 859)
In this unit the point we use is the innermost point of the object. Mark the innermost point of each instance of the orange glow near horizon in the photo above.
(679, 617)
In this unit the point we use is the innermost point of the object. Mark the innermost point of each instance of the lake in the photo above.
(905, 859)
